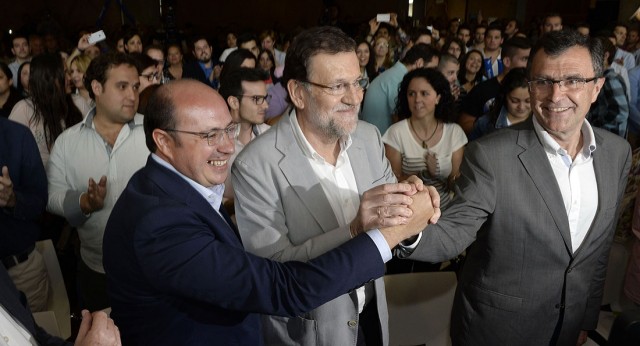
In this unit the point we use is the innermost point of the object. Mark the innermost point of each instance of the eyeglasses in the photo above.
(542, 85)
(340, 89)
(257, 99)
(215, 136)
(151, 77)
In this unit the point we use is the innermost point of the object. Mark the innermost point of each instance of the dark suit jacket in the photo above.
(177, 274)
(521, 276)
(191, 69)
(16, 304)
(19, 152)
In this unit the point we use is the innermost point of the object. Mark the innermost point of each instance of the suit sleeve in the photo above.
(175, 247)
(596, 288)
(262, 220)
(475, 200)
(30, 181)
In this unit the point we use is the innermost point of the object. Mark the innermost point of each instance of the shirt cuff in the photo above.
(404, 250)
(71, 208)
(381, 244)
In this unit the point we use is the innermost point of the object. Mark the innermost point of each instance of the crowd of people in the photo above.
(221, 194)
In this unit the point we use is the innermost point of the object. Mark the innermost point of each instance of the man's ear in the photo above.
(598, 83)
(296, 93)
(233, 102)
(506, 62)
(164, 143)
(96, 87)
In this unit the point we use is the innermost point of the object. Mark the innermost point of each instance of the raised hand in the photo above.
(7, 195)
(93, 199)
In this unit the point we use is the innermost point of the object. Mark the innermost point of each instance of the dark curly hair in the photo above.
(444, 108)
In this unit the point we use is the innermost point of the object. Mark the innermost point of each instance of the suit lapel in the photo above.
(360, 163)
(176, 187)
(536, 163)
(296, 169)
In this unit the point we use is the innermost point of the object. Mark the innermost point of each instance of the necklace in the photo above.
(424, 141)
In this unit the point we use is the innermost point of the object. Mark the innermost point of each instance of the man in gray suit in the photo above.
(539, 201)
(299, 188)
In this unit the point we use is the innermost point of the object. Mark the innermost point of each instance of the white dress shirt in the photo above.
(12, 333)
(339, 185)
(576, 179)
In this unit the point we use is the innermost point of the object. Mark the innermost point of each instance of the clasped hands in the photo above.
(399, 210)
(97, 329)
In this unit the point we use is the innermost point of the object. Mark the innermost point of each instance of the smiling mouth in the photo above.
(217, 163)
(557, 109)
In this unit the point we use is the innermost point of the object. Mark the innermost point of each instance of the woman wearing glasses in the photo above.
(426, 142)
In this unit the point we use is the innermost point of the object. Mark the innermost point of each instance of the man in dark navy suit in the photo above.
(177, 273)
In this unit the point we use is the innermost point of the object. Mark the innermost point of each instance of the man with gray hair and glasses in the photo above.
(537, 205)
(316, 179)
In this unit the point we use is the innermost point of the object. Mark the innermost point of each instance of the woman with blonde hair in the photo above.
(80, 96)
(383, 56)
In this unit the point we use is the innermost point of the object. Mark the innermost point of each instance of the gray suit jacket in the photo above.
(521, 277)
(283, 214)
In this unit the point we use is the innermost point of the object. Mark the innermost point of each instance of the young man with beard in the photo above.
(203, 68)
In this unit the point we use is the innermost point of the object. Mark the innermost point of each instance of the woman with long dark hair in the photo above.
(267, 63)
(23, 78)
(426, 142)
(47, 111)
(511, 107)
(471, 72)
(365, 59)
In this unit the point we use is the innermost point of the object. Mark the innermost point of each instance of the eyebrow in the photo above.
(570, 76)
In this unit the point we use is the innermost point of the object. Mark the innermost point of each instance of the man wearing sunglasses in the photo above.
(245, 91)
(315, 180)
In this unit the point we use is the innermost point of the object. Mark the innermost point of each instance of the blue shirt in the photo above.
(380, 99)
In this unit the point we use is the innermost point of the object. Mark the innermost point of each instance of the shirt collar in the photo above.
(552, 147)
(212, 194)
(136, 121)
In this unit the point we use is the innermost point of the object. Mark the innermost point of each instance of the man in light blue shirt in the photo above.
(380, 98)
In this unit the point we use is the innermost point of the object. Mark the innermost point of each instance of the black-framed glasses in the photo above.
(215, 136)
(257, 99)
(542, 85)
(339, 89)
(151, 76)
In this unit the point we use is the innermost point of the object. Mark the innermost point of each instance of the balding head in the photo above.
(167, 106)
(188, 125)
